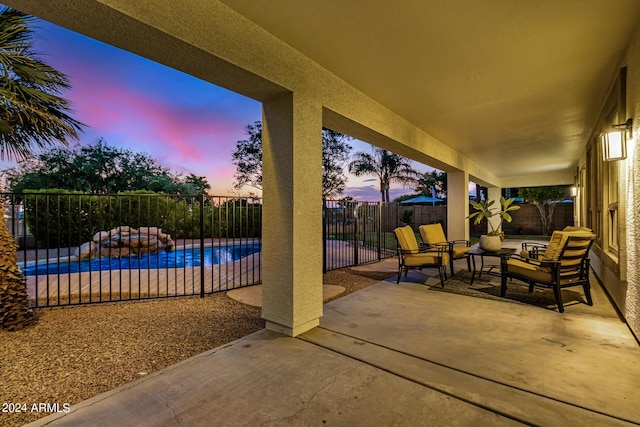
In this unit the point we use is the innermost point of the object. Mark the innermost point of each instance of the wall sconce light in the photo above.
(614, 143)
(574, 191)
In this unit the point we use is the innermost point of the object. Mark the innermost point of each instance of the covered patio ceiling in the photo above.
(516, 86)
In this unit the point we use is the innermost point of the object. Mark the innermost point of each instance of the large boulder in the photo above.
(169, 245)
(100, 237)
(115, 252)
(123, 241)
(151, 231)
(87, 250)
(124, 229)
(137, 241)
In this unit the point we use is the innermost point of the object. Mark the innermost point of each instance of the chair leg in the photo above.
(503, 285)
(468, 263)
(399, 274)
(587, 292)
(451, 264)
(558, 295)
(443, 275)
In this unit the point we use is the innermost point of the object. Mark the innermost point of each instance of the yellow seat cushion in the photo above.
(460, 251)
(557, 242)
(541, 274)
(432, 234)
(425, 258)
(407, 238)
(528, 270)
(574, 228)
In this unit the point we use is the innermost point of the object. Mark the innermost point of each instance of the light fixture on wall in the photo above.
(574, 191)
(614, 143)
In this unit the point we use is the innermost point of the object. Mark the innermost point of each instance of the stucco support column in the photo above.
(494, 193)
(292, 214)
(457, 205)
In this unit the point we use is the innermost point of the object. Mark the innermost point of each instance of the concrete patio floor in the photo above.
(398, 355)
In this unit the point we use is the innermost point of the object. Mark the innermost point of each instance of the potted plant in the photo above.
(492, 241)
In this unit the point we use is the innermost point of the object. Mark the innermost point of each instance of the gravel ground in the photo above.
(75, 353)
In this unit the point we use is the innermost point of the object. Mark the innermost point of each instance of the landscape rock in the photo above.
(100, 237)
(151, 231)
(124, 229)
(86, 250)
(123, 241)
(114, 252)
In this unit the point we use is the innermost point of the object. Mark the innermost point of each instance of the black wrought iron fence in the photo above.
(358, 232)
(79, 248)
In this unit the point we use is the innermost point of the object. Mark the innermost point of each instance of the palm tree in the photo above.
(432, 183)
(32, 115)
(387, 166)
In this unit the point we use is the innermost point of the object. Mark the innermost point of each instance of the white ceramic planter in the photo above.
(490, 243)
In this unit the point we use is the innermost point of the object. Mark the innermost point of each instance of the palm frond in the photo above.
(32, 114)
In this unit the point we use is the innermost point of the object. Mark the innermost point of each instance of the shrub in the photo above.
(60, 218)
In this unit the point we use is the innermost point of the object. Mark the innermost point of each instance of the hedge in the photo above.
(59, 218)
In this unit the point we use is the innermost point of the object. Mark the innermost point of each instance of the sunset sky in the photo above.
(186, 124)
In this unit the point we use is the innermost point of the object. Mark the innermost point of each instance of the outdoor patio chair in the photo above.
(565, 263)
(433, 235)
(536, 250)
(413, 255)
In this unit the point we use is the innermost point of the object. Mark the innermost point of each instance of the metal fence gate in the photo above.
(358, 232)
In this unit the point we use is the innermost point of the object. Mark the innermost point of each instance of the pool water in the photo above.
(175, 259)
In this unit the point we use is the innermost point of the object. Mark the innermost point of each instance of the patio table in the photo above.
(487, 269)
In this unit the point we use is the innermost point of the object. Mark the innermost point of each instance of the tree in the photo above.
(545, 199)
(335, 155)
(100, 169)
(387, 166)
(247, 159)
(32, 115)
(432, 183)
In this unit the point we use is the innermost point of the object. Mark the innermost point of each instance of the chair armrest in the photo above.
(457, 242)
(437, 251)
(534, 249)
(423, 247)
(537, 251)
(529, 246)
(443, 245)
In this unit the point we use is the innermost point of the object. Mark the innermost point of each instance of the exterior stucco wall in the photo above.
(624, 286)
(632, 300)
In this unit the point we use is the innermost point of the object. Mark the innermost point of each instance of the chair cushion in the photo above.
(432, 234)
(460, 251)
(425, 259)
(407, 238)
(542, 274)
(559, 239)
(574, 228)
(556, 243)
(529, 271)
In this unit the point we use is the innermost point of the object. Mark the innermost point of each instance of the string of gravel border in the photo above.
(75, 353)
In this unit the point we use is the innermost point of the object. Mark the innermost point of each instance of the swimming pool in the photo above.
(179, 258)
